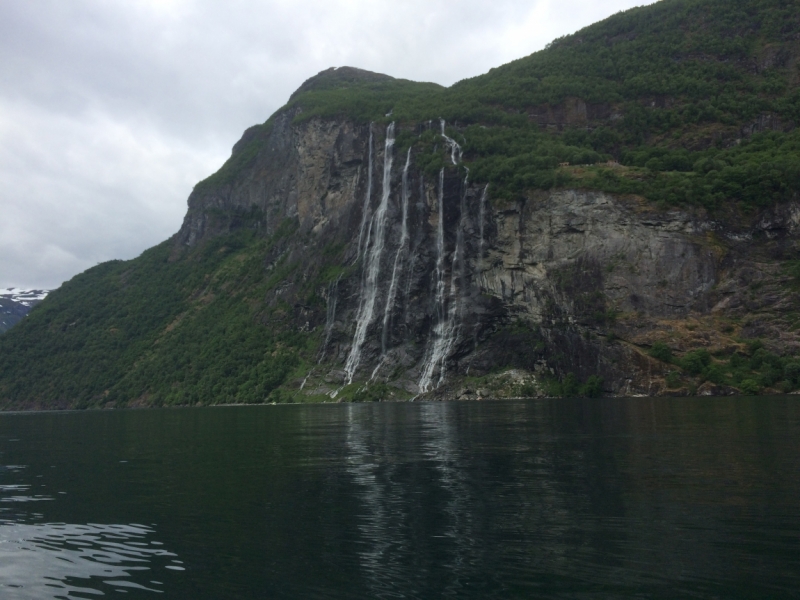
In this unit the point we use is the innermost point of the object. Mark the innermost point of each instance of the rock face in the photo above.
(427, 282)
(309, 173)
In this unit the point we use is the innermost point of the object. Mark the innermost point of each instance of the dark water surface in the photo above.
(639, 498)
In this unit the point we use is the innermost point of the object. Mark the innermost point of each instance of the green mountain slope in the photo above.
(687, 103)
(111, 334)
(674, 91)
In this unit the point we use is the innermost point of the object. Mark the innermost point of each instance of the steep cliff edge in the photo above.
(452, 288)
(566, 224)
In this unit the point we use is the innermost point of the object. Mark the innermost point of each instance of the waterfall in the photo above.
(458, 254)
(387, 311)
(434, 356)
(455, 149)
(448, 309)
(367, 198)
(453, 326)
(369, 288)
(414, 256)
(482, 218)
(447, 305)
(330, 316)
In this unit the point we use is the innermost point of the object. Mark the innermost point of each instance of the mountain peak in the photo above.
(339, 77)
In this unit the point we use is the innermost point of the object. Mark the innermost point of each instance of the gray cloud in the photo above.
(110, 111)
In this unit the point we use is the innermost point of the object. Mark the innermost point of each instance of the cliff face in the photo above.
(430, 286)
(307, 173)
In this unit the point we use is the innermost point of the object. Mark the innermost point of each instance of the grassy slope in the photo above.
(159, 332)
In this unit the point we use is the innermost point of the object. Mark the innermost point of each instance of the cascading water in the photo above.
(482, 218)
(330, 317)
(448, 308)
(387, 312)
(434, 356)
(413, 256)
(367, 198)
(452, 328)
(369, 288)
(455, 149)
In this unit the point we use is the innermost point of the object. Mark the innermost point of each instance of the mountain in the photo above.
(617, 214)
(15, 304)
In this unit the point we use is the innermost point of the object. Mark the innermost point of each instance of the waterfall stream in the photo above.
(482, 218)
(373, 250)
(448, 306)
(455, 149)
(452, 327)
(330, 319)
(371, 245)
(367, 198)
(434, 356)
(330, 316)
(387, 312)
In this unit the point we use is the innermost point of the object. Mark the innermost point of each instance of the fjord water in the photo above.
(646, 498)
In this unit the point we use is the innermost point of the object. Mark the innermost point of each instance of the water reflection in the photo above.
(468, 500)
(658, 499)
(380, 510)
(59, 560)
(441, 445)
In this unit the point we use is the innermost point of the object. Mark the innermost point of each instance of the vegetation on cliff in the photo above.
(695, 99)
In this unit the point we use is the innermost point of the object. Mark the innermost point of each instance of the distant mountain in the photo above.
(16, 303)
(618, 214)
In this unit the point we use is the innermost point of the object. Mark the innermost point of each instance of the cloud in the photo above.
(111, 110)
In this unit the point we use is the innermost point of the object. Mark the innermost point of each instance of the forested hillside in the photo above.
(697, 100)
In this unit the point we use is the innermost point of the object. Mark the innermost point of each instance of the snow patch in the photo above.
(24, 297)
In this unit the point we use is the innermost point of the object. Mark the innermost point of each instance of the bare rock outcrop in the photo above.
(557, 282)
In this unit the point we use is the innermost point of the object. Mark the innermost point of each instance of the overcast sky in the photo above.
(110, 111)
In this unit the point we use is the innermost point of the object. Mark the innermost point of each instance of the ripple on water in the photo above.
(60, 560)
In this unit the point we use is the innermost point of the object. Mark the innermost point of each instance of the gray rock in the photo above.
(565, 281)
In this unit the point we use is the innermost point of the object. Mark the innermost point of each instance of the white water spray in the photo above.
(369, 289)
(377, 368)
(448, 309)
(414, 256)
(452, 328)
(482, 218)
(367, 198)
(455, 149)
(387, 311)
(434, 355)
